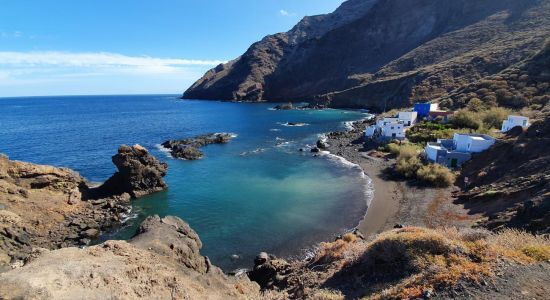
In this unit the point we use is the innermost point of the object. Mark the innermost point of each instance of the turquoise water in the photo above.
(257, 193)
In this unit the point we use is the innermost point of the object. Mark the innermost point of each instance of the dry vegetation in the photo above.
(406, 263)
(410, 166)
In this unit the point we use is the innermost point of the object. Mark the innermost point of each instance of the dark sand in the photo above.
(395, 201)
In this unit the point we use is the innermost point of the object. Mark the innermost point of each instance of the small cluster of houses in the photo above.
(449, 152)
(396, 127)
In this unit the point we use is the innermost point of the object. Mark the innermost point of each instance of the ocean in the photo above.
(256, 193)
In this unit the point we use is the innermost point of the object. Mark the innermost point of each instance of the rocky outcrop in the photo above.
(139, 173)
(161, 262)
(49, 207)
(172, 238)
(382, 53)
(188, 149)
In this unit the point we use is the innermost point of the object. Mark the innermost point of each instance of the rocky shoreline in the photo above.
(51, 208)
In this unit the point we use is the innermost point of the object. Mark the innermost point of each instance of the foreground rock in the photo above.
(51, 208)
(188, 149)
(139, 173)
(161, 262)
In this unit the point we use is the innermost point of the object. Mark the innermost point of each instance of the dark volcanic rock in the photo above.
(287, 106)
(139, 173)
(189, 148)
(382, 53)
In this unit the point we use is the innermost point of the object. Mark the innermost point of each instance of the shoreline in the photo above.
(395, 202)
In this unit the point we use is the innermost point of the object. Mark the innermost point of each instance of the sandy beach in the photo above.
(395, 201)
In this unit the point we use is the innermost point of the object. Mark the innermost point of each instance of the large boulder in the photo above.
(161, 262)
(139, 173)
(172, 238)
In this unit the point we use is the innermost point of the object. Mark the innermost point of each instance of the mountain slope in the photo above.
(387, 52)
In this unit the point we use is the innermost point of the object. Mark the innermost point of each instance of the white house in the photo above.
(514, 121)
(394, 130)
(455, 152)
(371, 130)
(392, 127)
(472, 143)
(408, 117)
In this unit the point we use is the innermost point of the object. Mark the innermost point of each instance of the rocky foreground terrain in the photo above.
(161, 262)
(49, 207)
(383, 53)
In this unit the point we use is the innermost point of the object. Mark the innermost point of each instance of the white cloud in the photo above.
(56, 72)
(286, 13)
(14, 34)
(95, 59)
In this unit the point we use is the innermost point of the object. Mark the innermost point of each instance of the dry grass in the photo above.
(521, 246)
(326, 295)
(436, 175)
(424, 259)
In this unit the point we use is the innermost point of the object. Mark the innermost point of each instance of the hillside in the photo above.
(383, 53)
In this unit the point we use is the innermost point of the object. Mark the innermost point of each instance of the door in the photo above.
(393, 135)
(454, 163)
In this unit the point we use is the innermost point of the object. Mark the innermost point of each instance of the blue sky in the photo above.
(60, 47)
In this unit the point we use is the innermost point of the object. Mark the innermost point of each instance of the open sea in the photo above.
(256, 193)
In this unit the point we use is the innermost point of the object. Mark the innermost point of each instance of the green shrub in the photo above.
(466, 119)
(393, 148)
(407, 167)
(475, 104)
(436, 175)
(493, 117)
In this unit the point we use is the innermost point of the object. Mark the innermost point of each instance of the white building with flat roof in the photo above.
(472, 143)
(409, 118)
(515, 121)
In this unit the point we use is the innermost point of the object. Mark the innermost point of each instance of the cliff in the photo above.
(382, 53)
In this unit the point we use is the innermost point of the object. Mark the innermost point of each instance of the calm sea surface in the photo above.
(257, 193)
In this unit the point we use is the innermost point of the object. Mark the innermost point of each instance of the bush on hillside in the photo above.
(475, 104)
(436, 175)
(466, 119)
(493, 117)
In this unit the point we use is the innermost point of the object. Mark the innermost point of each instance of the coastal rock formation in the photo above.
(172, 238)
(139, 173)
(188, 149)
(161, 262)
(49, 207)
(382, 53)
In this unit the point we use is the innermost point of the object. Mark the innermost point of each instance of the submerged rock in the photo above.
(188, 149)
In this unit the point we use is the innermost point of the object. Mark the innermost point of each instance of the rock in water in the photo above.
(139, 173)
(188, 149)
(322, 144)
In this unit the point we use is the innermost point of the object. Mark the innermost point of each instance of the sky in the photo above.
(69, 47)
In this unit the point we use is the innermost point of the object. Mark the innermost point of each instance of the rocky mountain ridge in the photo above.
(387, 54)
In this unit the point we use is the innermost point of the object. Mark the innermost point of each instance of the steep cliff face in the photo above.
(383, 52)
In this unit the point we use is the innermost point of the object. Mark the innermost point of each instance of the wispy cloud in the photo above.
(286, 13)
(12, 34)
(71, 69)
(97, 59)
